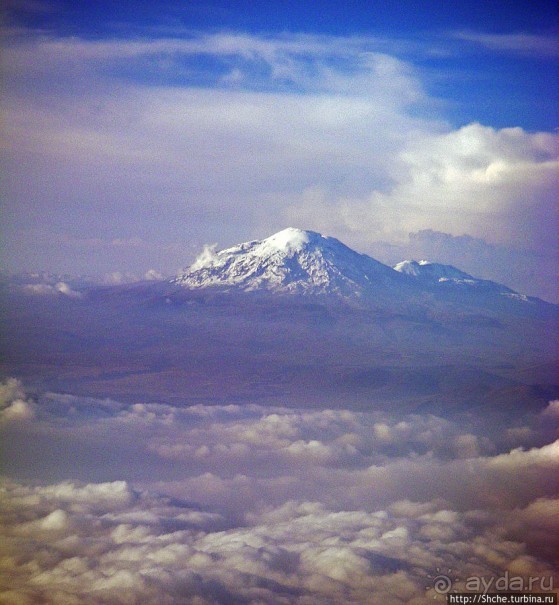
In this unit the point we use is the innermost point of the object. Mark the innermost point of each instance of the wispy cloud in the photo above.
(300, 62)
(229, 136)
(520, 44)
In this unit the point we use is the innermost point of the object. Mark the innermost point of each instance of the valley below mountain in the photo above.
(296, 320)
(286, 421)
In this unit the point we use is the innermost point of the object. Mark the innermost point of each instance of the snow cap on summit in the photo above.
(436, 273)
(292, 260)
(288, 241)
(427, 270)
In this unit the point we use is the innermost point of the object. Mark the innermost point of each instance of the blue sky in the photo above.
(336, 18)
(138, 131)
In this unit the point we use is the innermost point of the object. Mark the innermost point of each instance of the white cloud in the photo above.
(14, 405)
(275, 505)
(248, 451)
(10, 390)
(521, 43)
(301, 553)
(51, 290)
(153, 275)
(552, 410)
(39, 289)
(315, 62)
(496, 185)
(67, 290)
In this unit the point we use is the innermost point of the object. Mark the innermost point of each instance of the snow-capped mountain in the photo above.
(296, 317)
(305, 262)
(427, 271)
(291, 261)
(447, 276)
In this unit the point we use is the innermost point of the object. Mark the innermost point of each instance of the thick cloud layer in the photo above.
(102, 543)
(235, 504)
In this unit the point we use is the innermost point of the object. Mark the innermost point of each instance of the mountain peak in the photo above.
(292, 260)
(289, 240)
(447, 276)
(296, 261)
(429, 271)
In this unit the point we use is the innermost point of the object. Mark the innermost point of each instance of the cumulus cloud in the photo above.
(552, 410)
(14, 405)
(62, 548)
(50, 290)
(245, 503)
(67, 290)
(494, 185)
(153, 275)
(334, 134)
(272, 439)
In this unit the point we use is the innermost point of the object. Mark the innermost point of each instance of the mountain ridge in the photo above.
(290, 261)
(305, 262)
(297, 262)
(313, 330)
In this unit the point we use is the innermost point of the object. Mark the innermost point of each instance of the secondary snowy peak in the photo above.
(292, 260)
(448, 276)
(305, 262)
(433, 272)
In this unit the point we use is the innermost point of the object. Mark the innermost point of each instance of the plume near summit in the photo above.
(307, 263)
(286, 417)
(291, 260)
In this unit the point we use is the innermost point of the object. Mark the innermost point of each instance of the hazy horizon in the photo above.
(292, 424)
